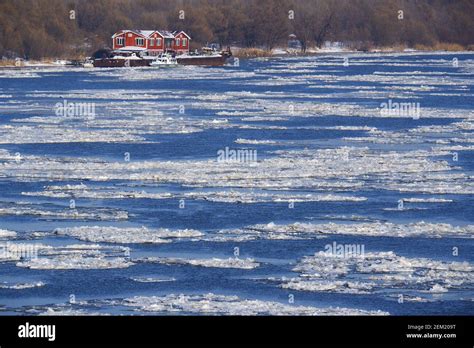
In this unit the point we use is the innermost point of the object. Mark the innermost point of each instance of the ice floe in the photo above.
(379, 271)
(330, 169)
(426, 200)
(231, 196)
(255, 142)
(16, 251)
(231, 262)
(6, 234)
(18, 74)
(152, 279)
(373, 229)
(84, 256)
(75, 262)
(21, 286)
(67, 311)
(110, 234)
(20, 209)
(212, 304)
(357, 227)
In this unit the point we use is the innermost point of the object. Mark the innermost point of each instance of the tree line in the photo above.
(64, 28)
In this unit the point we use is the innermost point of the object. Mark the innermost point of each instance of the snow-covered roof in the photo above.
(175, 33)
(166, 34)
(147, 33)
(144, 33)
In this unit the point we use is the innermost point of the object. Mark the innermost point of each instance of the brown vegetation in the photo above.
(251, 53)
(47, 28)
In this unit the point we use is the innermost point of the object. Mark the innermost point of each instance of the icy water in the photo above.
(120, 192)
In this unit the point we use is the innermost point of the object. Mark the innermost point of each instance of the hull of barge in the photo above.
(202, 60)
(120, 63)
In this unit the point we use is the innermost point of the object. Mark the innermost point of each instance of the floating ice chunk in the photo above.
(24, 134)
(427, 200)
(227, 236)
(21, 286)
(212, 304)
(438, 289)
(259, 197)
(379, 270)
(67, 187)
(75, 262)
(18, 74)
(6, 234)
(339, 286)
(375, 229)
(248, 263)
(11, 251)
(82, 256)
(409, 298)
(328, 169)
(98, 192)
(152, 279)
(65, 311)
(111, 234)
(255, 142)
(79, 213)
(213, 196)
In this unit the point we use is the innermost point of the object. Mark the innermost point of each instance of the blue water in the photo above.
(32, 97)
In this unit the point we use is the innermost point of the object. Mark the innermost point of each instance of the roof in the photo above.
(166, 34)
(147, 33)
(175, 33)
(144, 33)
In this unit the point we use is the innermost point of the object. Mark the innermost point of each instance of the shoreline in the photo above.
(243, 53)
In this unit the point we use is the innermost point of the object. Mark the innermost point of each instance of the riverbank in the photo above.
(246, 53)
(250, 53)
(20, 63)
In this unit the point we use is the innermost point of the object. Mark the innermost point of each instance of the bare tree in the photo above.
(43, 28)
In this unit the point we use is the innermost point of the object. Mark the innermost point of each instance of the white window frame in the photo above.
(139, 41)
(158, 41)
(185, 41)
(152, 42)
(178, 42)
(120, 41)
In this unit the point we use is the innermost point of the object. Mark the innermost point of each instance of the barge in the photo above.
(207, 57)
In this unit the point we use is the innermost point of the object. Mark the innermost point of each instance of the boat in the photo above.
(165, 60)
(207, 57)
(88, 64)
(121, 61)
(105, 58)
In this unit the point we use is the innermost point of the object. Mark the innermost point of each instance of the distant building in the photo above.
(152, 41)
(293, 42)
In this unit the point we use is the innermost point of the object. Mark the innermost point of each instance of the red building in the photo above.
(152, 41)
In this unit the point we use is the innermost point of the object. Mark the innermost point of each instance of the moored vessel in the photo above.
(164, 60)
(207, 57)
